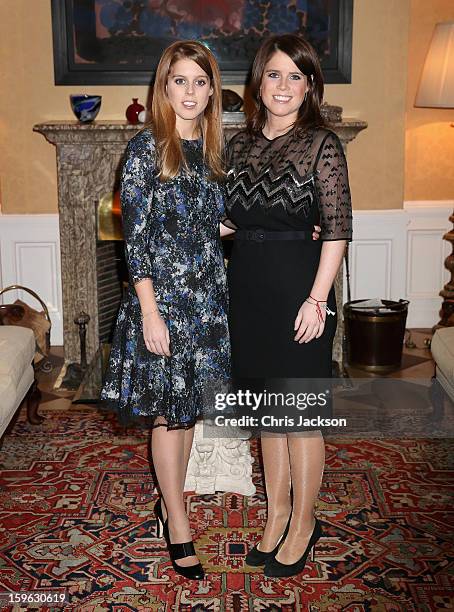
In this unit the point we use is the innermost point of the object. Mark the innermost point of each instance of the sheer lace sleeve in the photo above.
(136, 191)
(229, 162)
(333, 190)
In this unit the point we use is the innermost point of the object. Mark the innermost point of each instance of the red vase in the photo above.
(133, 110)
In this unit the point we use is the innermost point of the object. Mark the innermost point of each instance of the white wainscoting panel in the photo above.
(399, 254)
(30, 256)
(426, 252)
(377, 255)
(364, 280)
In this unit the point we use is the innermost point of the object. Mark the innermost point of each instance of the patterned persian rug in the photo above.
(76, 505)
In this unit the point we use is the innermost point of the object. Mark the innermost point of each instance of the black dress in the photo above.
(290, 183)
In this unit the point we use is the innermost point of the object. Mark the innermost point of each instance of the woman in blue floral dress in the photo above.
(171, 342)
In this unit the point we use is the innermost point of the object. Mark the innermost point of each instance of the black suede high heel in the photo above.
(178, 551)
(256, 557)
(276, 569)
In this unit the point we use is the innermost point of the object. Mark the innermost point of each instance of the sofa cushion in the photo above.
(442, 347)
(8, 402)
(17, 348)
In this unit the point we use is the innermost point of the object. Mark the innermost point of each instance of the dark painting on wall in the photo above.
(120, 41)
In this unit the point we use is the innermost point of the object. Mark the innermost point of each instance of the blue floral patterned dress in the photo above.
(171, 232)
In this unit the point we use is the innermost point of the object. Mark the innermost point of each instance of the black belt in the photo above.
(260, 235)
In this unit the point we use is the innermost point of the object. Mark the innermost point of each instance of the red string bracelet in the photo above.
(317, 307)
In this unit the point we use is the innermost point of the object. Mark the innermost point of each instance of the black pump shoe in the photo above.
(178, 551)
(256, 557)
(276, 569)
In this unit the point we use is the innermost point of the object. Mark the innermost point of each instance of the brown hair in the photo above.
(168, 144)
(301, 52)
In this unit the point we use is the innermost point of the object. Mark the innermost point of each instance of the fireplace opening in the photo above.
(111, 269)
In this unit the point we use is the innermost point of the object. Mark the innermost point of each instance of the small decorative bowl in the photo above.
(85, 106)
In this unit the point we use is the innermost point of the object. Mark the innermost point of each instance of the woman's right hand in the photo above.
(156, 335)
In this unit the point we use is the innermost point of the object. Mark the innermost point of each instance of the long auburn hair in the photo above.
(162, 124)
(301, 52)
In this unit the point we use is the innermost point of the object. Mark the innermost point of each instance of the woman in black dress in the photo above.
(287, 173)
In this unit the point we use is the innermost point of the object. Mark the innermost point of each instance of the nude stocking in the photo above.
(277, 480)
(170, 450)
(307, 459)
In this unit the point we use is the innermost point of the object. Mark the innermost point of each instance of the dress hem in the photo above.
(145, 421)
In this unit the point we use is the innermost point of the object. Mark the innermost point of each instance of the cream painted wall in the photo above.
(429, 145)
(377, 94)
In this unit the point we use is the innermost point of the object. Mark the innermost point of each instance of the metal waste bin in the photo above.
(374, 332)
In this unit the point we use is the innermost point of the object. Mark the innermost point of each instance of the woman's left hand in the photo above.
(307, 323)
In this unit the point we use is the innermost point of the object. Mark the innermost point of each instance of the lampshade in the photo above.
(436, 88)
